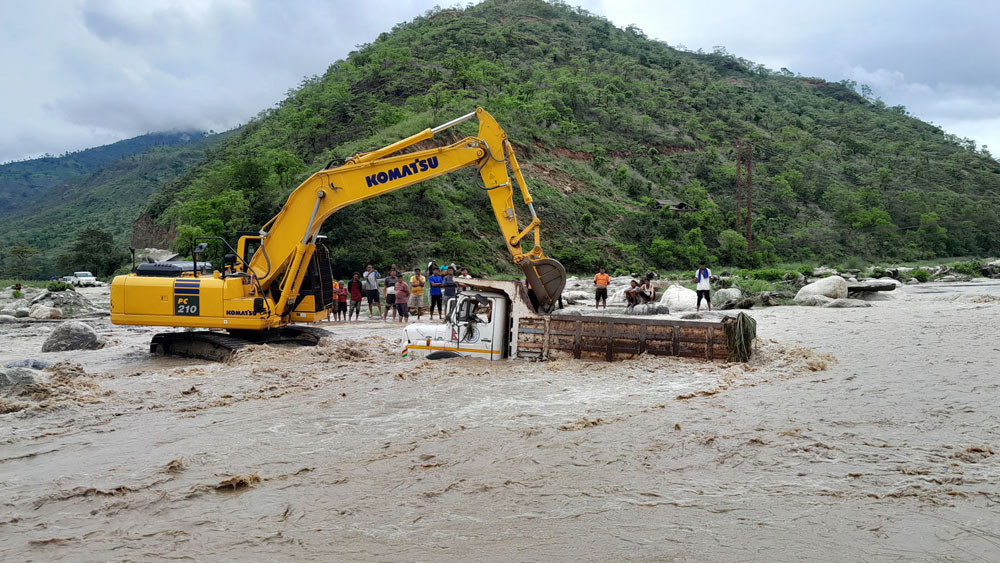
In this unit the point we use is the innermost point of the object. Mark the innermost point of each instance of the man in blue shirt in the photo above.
(437, 284)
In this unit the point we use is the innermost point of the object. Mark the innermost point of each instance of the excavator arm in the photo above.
(288, 240)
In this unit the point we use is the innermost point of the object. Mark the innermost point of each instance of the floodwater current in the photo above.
(854, 434)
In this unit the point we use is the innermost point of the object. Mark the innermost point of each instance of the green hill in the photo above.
(25, 183)
(606, 122)
(104, 188)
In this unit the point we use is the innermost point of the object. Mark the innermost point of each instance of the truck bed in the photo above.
(615, 338)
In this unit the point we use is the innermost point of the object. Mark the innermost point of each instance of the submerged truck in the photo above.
(496, 320)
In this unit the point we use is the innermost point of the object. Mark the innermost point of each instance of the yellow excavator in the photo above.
(281, 274)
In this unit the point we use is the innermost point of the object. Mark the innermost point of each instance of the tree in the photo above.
(93, 250)
(20, 262)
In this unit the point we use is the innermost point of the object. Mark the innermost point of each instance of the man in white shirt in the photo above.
(370, 286)
(704, 285)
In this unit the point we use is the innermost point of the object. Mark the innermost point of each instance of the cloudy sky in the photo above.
(81, 73)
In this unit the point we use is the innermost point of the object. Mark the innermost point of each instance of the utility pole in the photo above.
(739, 182)
(744, 164)
(749, 196)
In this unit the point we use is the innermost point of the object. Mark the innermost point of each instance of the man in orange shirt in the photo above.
(601, 280)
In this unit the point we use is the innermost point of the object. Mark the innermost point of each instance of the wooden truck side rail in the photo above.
(536, 336)
(613, 338)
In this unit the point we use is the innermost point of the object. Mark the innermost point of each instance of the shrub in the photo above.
(17, 294)
(971, 268)
(59, 286)
(767, 274)
(920, 275)
(748, 285)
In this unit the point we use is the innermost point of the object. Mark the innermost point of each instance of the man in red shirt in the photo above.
(354, 287)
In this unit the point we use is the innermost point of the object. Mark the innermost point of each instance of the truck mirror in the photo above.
(200, 248)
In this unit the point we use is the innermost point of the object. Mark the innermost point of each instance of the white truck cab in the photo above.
(477, 326)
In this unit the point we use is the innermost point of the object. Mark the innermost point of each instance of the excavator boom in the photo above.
(369, 175)
(269, 287)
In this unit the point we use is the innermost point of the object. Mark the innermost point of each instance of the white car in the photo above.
(81, 279)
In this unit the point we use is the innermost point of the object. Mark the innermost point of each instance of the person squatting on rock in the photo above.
(631, 294)
(703, 286)
(646, 292)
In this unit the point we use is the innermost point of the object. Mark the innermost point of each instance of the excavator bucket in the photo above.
(546, 278)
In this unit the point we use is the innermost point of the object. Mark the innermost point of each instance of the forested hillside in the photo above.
(606, 122)
(104, 188)
(25, 183)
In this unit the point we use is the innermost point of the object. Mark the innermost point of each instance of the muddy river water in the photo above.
(854, 434)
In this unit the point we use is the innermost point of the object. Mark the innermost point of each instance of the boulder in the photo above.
(30, 363)
(823, 271)
(723, 295)
(847, 303)
(885, 280)
(813, 300)
(575, 296)
(22, 312)
(7, 319)
(70, 303)
(7, 311)
(39, 311)
(741, 303)
(834, 287)
(678, 298)
(11, 378)
(72, 335)
(647, 309)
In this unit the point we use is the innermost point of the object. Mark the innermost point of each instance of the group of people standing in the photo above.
(402, 294)
(644, 292)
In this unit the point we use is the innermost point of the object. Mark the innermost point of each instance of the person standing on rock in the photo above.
(437, 284)
(342, 302)
(357, 294)
(390, 294)
(601, 280)
(370, 284)
(417, 283)
(448, 275)
(402, 298)
(703, 281)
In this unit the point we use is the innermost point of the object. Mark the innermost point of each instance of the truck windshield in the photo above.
(83, 275)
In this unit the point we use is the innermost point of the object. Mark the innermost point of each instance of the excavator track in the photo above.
(222, 347)
(203, 345)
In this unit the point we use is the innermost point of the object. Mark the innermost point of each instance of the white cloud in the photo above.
(117, 68)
